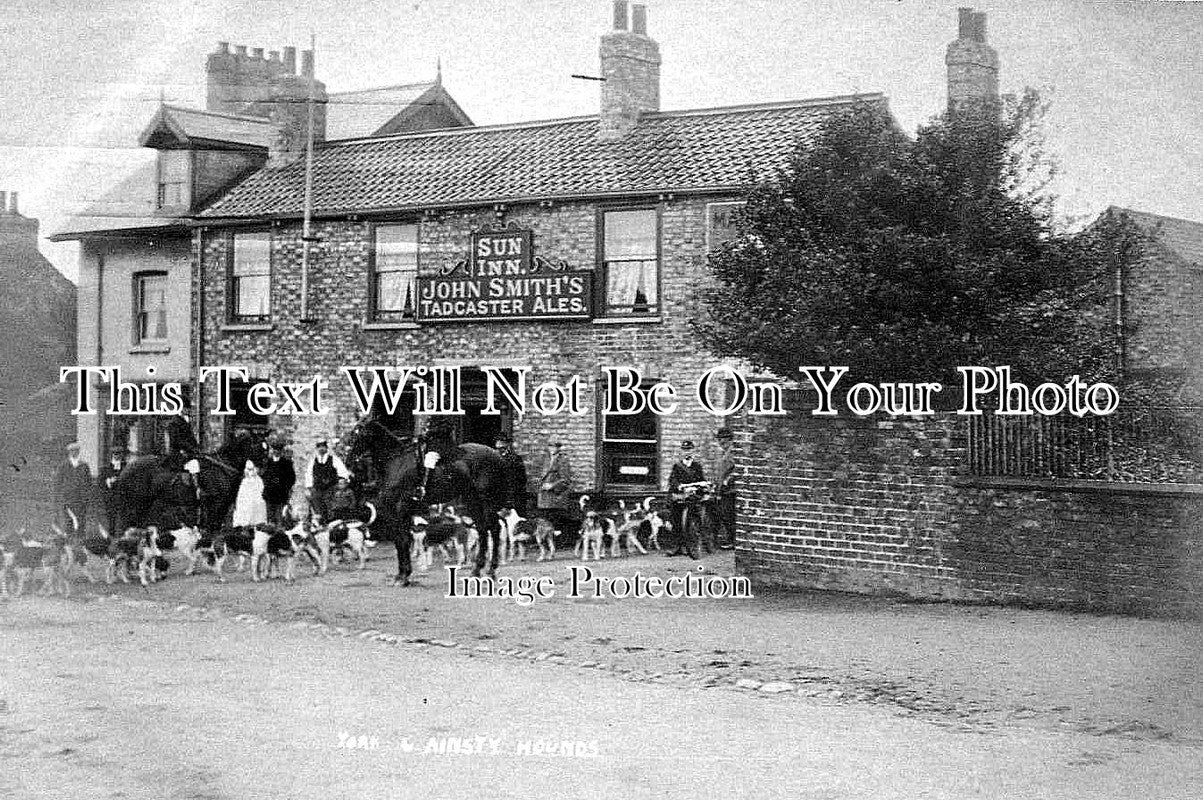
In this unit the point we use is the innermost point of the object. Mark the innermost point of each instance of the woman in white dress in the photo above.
(250, 508)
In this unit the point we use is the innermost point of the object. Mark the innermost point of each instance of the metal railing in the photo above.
(1134, 445)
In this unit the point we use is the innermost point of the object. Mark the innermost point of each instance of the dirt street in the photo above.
(952, 665)
(123, 698)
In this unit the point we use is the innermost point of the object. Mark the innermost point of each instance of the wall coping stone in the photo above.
(1078, 485)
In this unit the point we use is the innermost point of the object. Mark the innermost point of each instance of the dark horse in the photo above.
(469, 476)
(158, 491)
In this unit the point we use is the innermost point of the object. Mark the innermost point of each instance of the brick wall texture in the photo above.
(876, 506)
(339, 304)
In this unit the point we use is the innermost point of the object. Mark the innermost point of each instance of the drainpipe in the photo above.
(1119, 319)
(104, 419)
(198, 291)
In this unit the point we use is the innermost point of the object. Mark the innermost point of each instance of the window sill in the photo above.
(140, 349)
(391, 326)
(624, 320)
(247, 326)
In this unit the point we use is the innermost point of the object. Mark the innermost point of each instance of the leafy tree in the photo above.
(903, 258)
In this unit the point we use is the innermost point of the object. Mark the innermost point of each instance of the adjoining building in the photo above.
(603, 224)
(38, 313)
(1160, 313)
(38, 321)
(136, 257)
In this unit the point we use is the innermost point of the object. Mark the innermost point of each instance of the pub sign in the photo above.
(503, 279)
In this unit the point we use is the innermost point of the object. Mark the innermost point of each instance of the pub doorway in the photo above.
(475, 425)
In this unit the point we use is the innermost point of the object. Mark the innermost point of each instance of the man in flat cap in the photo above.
(684, 472)
(555, 490)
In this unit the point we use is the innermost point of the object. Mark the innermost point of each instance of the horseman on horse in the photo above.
(408, 475)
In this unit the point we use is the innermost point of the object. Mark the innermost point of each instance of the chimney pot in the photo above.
(979, 26)
(620, 15)
(3, 203)
(639, 19)
(290, 59)
(964, 23)
(223, 47)
(307, 63)
(12, 203)
(240, 50)
(257, 52)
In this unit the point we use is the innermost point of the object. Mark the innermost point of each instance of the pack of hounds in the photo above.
(141, 554)
(616, 529)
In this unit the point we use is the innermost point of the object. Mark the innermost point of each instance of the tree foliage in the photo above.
(903, 258)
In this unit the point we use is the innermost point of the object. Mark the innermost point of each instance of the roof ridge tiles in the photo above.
(693, 112)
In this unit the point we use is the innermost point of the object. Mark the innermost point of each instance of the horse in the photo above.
(469, 476)
(157, 490)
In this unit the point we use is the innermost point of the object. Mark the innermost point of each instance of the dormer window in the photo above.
(174, 179)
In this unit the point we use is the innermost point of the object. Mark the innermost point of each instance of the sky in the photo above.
(79, 79)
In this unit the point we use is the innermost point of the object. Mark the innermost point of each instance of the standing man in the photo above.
(106, 480)
(555, 489)
(73, 490)
(321, 479)
(726, 489)
(515, 475)
(684, 471)
(279, 476)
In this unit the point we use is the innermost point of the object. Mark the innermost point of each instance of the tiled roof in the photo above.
(189, 126)
(1180, 235)
(679, 151)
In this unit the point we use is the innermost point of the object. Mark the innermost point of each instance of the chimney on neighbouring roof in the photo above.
(241, 83)
(16, 231)
(630, 67)
(972, 67)
(290, 111)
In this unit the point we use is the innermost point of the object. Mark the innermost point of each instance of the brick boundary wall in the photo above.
(879, 506)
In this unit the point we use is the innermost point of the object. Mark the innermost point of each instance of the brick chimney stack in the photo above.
(630, 64)
(290, 110)
(240, 82)
(972, 67)
(17, 232)
(258, 86)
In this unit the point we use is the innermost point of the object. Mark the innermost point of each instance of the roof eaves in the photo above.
(376, 211)
(175, 224)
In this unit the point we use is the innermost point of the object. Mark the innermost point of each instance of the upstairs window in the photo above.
(250, 277)
(173, 179)
(150, 308)
(393, 289)
(631, 262)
